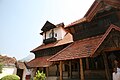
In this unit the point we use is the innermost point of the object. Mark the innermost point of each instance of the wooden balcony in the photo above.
(49, 40)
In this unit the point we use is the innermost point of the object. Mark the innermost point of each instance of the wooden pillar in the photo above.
(87, 64)
(107, 71)
(70, 69)
(52, 33)
(81, 70)
(45, 35)
(61, 70)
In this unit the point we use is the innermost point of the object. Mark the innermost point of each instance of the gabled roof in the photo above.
(104, 37)
(7, 60)
(39, 62)
(93, 9)
(82, 48)
(20, 65)
(47, 26)
(67, 39)
(100, 4)
(96, 6)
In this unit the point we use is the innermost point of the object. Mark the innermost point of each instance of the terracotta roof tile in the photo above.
(76, 22)
(67, 39)
(82, 48)
(20, 65)
(39, 62)
(95, 7)
(7, 60)
(78, 49)
(92, 10)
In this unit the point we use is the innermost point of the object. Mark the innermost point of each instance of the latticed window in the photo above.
(50, 35)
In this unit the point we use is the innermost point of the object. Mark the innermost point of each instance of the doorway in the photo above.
(20, 73)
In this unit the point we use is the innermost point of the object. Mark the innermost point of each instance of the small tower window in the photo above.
(55, 34)
(50, 35)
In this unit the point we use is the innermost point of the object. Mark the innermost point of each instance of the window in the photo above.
(50, 35)
(55, 34)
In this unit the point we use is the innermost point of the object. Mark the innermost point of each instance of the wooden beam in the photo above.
(107, 71)
(87, 64)
(81, 70)
(61, 70)
(45, 35)
(111, 49)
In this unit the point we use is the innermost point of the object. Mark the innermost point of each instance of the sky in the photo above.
(21, 22)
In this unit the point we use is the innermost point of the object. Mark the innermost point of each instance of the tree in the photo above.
(1, 67)
(39, 76)
(10, 77)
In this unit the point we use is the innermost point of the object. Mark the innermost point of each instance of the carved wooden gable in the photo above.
(113, 40)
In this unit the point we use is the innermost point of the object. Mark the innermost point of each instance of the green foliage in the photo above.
(10, 77)
(39, 76)
(1, 67)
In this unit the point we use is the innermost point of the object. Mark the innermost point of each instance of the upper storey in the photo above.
(96, 21)
(52, 33)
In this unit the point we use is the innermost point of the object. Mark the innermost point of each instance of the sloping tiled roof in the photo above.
(67, 39)
(39, 62)
(47, 26)
(20, 65)
(76, 22)
(7, 60)
(95, 7)
(78, 49)
(90, 13)
(82, 48)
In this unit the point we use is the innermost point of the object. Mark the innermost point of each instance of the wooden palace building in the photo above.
(84, 49)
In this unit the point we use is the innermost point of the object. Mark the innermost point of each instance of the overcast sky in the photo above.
(21, 21)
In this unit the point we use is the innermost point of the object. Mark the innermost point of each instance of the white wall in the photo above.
(60, 33)
(26, 72)
(8, 71)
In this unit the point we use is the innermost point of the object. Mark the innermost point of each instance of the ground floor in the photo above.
(89, 68)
